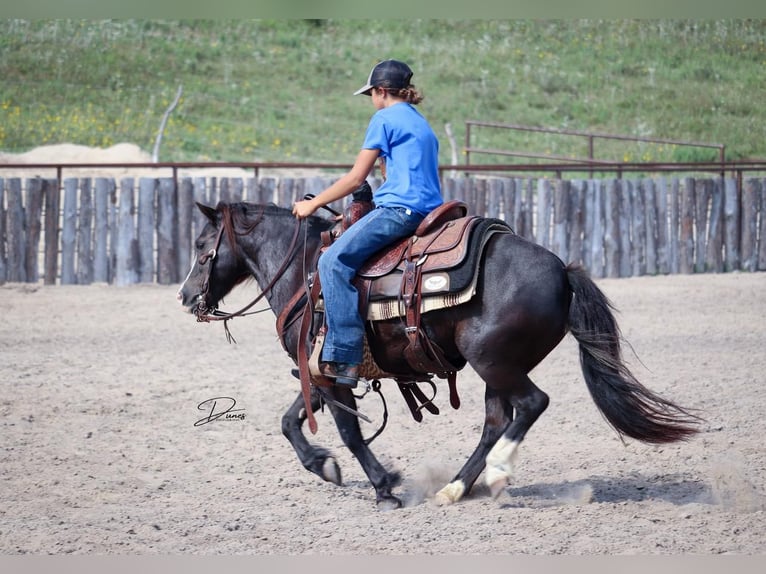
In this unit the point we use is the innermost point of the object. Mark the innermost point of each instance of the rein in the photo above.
(205, 315)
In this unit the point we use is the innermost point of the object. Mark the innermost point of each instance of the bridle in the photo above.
(206, 314)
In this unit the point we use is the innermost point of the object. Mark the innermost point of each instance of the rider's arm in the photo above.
(348, 183)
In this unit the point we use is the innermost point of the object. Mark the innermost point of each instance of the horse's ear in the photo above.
(207, 211)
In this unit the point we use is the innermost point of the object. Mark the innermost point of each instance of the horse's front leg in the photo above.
(316, 459)
(351, 434)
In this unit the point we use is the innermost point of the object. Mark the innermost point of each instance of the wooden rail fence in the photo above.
(136, 230)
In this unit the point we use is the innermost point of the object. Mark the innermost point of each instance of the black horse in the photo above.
(526, 301)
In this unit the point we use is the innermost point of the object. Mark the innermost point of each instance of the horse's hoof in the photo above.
(331, 471)
(450, 494)
(441, 499)
(497, 486)
(389, 503)
(497, 477)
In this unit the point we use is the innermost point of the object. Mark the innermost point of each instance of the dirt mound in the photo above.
(74, 153)
(69, 153)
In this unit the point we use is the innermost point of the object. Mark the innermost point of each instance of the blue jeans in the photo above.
(337, 268)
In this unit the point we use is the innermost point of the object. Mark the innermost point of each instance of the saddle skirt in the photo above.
(448, 261)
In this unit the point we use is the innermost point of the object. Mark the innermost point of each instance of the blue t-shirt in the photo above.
(411, 152)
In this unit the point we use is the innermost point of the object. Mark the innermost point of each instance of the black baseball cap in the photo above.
(387, 74)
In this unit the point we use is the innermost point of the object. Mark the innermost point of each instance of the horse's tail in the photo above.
(629, 407)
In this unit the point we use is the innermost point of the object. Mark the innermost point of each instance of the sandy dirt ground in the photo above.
(99, 394)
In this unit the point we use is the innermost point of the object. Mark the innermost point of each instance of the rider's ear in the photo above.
(207, 211)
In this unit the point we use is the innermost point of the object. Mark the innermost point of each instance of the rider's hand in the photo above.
(304, 208)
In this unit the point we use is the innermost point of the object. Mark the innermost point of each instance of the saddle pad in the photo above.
(446, 288)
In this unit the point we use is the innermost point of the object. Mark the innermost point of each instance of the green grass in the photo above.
(281, 90)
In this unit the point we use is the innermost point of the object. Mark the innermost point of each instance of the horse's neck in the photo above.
(272, 255)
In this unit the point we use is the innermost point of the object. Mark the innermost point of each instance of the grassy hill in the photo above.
(281, 90)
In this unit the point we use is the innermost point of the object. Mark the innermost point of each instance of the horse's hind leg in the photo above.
(529, 402)
(315, 459)
(498, 416)
(509, 415)
(348, 427)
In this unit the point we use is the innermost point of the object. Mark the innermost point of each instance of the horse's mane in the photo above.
(240, 218)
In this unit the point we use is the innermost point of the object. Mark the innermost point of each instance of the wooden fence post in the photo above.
(462, 191)
(212, 192)
(714, 250)
(663, 245)
(588, 211)
(561, 207)
(639, 229)
(52, 199)
(508, 199)
(285, 194)
(762, 232)
(84, 234)
(167, 272)
(543, 232)
(126, 253)
(186, 210)
(626, 218)
(478, 191)
(675, 220)
(251, 190)
(528, 208)
(266, 187)
(16, 271)
(597, 239)
(32, 217)
(448, 188)
(578, 210)
(3, 236)
(146, 225)
(495, 197)
(225, 190)
(750, 201)
(299, 192)
(732, 224)
(513, 196)
(612, 228)
(114, 229)
(198, 219)
(69, 232)
(702, 194)
(101, 195)
(647, 187)
(686, 237)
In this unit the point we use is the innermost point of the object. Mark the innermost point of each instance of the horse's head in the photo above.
(216, 266)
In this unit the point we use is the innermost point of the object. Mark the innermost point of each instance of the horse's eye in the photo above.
(199, 246)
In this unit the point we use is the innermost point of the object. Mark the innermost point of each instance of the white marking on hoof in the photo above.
(450, 494)
(331, 471)
(500, 461)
